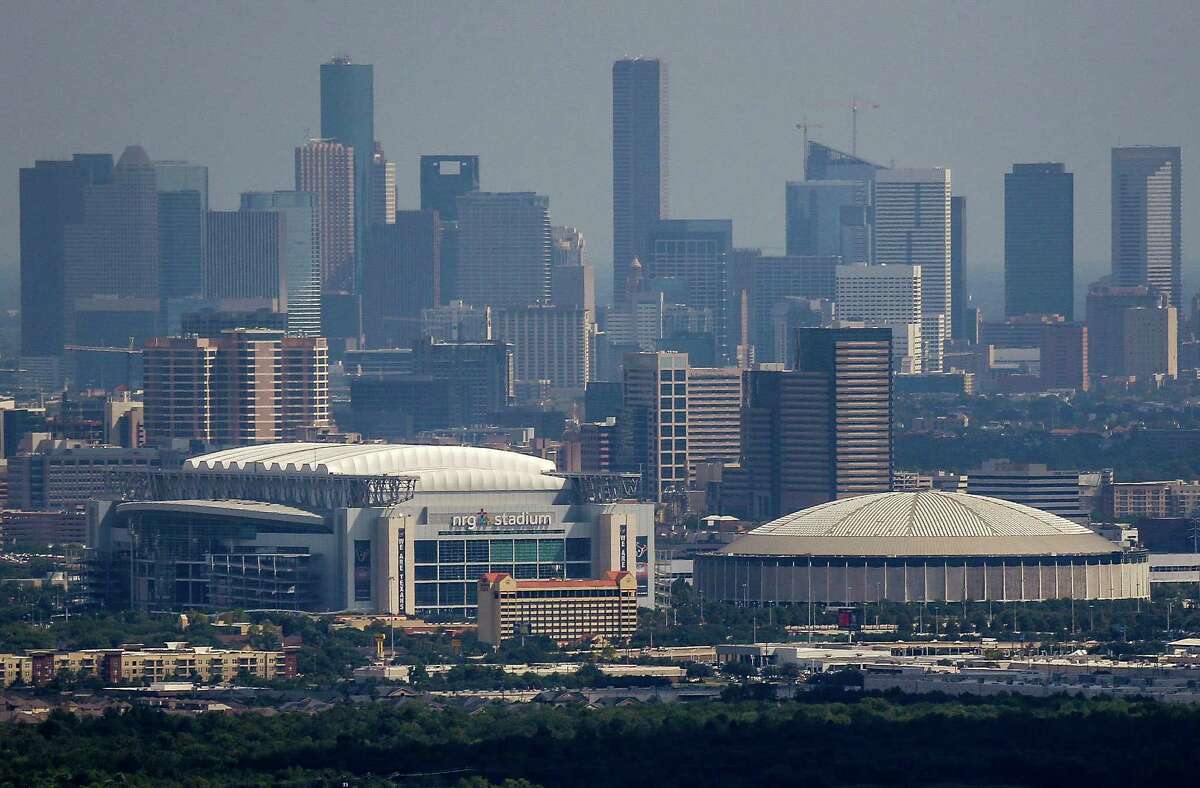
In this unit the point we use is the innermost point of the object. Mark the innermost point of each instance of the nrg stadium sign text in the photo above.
(501, 520)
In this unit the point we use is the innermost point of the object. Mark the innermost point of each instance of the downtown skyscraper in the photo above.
(348, 118)
(695, 253)
(823, 431)
(885, 296)
(51, 198)
(247, 258)
(639, 159)
(182, 210)
(958, 268)
(1039, 241)
(383, 188)
(504, 249)
(443, 179)
(401, 278)
(1146, 213)
(326, 169)
(912, 227)
(111, 258)
(302, 253)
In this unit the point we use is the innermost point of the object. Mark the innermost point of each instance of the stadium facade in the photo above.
(380, 528)
(920, 547)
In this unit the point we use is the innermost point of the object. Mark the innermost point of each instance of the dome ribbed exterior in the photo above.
(935, 514)
(921, 524)
(920, 547)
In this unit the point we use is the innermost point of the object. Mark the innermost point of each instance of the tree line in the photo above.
(825, 738)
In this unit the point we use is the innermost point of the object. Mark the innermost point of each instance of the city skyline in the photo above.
(732, 142)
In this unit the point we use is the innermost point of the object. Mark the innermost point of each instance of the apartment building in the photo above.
(174, 661)
(247, 386)
(1174, 498)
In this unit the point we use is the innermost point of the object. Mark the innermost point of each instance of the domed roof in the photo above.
(921, 524)
(437, 468)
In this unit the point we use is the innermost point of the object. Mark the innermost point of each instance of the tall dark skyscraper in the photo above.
(51, 198)
(1107, 305)
(182, 208)
(301, 219)
(348, 117)
(696, 253)
(824, 431)
(829, 218)
(443, 180)
(857, 365)
(504, 249)
(958, 267)
(401, 277)
(247, 257)
(770, 282)
(639, 159)
(111, 258)
(1146, 213)
(1039, 241)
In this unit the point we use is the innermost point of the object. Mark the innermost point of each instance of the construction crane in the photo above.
(804, 126)
(855, 105)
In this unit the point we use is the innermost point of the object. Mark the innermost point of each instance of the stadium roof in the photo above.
(436, 468)
(227, 508)
(921, 524)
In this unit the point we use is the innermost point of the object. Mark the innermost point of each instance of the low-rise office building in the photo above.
(65, 474)
(1031, 484)
(1174, 567)
(566, 611)
(34, 531)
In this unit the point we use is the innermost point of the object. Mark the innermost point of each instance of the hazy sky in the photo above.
(527, 87)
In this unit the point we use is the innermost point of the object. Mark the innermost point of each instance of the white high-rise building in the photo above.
(912, 227)
(714, 415)
(551, 343)
(879, 293)
(638, 322)
(1146, 211)
(302, 253)
(886, 296)
(383, 188)
(654, 431)
(457, 322)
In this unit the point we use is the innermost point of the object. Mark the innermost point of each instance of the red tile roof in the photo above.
(610, 579)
